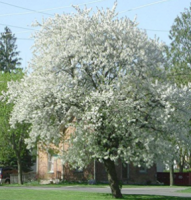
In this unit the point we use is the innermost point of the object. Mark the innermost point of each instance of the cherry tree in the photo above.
(103, 76)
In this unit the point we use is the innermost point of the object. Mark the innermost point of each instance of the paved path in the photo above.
(163, 191)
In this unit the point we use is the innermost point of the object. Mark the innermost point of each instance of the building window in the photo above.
(78, 170)
(142, 168)
(50, 163)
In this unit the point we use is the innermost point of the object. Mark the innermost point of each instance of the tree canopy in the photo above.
(179, 68)
(179, 49)
(104, 77)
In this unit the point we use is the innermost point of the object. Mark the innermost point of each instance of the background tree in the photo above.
(13, 151)
(179, 50)
(102, 76)
(9, 59)
(179, 65)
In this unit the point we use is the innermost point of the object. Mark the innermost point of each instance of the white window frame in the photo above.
(50, 163)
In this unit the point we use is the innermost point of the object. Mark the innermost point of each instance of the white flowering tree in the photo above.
(99, 74)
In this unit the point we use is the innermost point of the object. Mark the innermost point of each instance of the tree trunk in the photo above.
(112, 178)
(19, 167)
(16, 146)
(181, 167)
(171, 175)
(189, 160)
(182, 160)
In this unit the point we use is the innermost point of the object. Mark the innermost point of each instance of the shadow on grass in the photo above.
(152, 197)
(33, 194)
(149, 197)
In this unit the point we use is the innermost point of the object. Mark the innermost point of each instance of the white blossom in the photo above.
(103, 76)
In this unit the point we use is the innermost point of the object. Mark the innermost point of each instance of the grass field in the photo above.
(28, 194)
(188, 190)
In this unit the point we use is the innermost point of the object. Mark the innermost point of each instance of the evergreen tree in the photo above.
(9, 59)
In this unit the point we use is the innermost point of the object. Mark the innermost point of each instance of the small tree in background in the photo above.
(179, 67)
(13, 151)
(9, 59)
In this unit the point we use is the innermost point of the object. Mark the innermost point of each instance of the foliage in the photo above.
(9, 59)
(179, 67)
(188, 190)
(12, 141)
(8, 158)
(179, 50)
(184, 170)
(102, 78)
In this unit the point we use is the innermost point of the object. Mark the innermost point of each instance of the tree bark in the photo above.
(181, 167)
(16, 146)
(171, 175)
(189, 160)
(182, 160)
(20, 178)
(112, 178)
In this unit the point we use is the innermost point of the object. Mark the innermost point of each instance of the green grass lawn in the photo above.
(188, 190)
(28, 194)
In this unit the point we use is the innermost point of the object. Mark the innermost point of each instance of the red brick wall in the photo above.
(42, 167)
(127, 174)
(79, 175)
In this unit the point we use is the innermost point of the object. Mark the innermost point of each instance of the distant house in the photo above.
(50, 168)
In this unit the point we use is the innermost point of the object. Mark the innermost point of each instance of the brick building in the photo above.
(51, 168)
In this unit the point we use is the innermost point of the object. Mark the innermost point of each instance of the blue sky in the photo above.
(156, 16)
